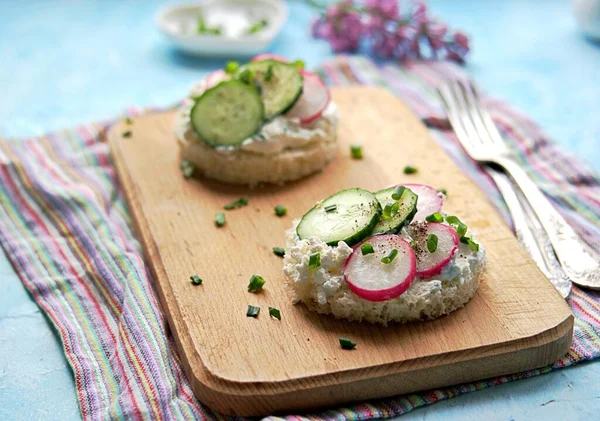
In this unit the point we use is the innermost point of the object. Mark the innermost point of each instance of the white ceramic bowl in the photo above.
(587, 14)
(179, 23)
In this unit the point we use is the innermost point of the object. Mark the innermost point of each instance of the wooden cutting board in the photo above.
(240, 365)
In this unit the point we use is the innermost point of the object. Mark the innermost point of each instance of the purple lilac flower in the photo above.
(461, 39)
(391, 35)
(387, 9)
(341, 26)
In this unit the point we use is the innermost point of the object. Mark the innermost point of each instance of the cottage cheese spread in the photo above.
(281, 133)
(325, 290)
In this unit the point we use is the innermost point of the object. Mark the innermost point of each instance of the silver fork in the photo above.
(527, 227)
(483, 143)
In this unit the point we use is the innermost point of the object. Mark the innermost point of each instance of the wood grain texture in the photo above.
(247, 366)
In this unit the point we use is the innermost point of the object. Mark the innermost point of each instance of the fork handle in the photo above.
(558, 277)
(536, 244)
(576, 258)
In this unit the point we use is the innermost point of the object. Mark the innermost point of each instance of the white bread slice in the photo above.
(250, 168)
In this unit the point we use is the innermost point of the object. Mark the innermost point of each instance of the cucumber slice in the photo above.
(406, 211)
(352, 219)
(227, 114)
(280, 85)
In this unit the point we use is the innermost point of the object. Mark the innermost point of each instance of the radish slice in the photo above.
(268, 56)
(313, 101)
(430, 200)
(214, 78)
(371, 279)
(431, 264)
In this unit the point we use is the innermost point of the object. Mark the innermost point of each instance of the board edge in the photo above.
(258, 399)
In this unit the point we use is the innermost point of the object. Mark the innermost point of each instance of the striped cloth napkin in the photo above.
(65, 227)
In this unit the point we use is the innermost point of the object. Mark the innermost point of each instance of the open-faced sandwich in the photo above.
(392, 255)
(267, 121)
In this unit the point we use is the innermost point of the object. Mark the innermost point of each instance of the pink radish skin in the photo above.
(214, 78)
(313, 101)
(430, 200)
(431, 264)
(373, 280)
(267, 56)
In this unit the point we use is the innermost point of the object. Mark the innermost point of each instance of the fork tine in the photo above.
(486, 119)
(474, 112)
(465, 114)
(452, 111)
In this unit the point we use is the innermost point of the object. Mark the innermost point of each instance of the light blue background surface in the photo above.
(68, 62)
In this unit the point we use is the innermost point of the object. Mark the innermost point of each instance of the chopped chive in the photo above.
(366, 249)
(231, 67)
(219, 219)
(457, 224)
(256, 283)
(398, 192)
(247, 76)
(347, 343)
(203, 29)
(127, 133)
(435, 217)
(201, 25)
(413, 245)
(196, 280)
(409, 169)
(395, 209)
(390, 257)
(258, 26)
(188, 172)
(390, 210)
(236, 204)
(252, 311)
(453, 220)
(273, 312)
(387, 211)
(432, 242)
(268, 73)
(472, 244)
(330, 208)
(280, 210)
(128, 120)
(356, 151)
(279, 251)
(443, 191)
(314, 261)
(187, 168)
(299, 64)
